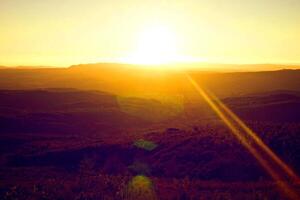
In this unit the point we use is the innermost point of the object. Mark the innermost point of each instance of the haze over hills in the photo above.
(132, 80)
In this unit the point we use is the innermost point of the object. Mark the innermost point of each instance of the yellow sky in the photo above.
(65, 32)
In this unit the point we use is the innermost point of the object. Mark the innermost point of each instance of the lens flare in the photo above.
(273, 165)
(140, 188)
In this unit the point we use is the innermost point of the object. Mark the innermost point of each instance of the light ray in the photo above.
(237, 127)
(259, 142)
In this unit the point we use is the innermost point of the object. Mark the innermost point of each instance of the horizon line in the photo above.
(148, 65)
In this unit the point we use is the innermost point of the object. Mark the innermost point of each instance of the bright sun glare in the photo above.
(155, 45)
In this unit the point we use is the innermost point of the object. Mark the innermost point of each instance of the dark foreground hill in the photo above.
(277, 106)
(71, 111)
(73, 144)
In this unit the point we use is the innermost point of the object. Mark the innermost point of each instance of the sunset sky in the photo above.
(65, 32)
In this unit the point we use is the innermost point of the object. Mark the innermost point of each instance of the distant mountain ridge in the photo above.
(201, 66)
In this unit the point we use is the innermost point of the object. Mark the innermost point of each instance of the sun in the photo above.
(155, 45)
